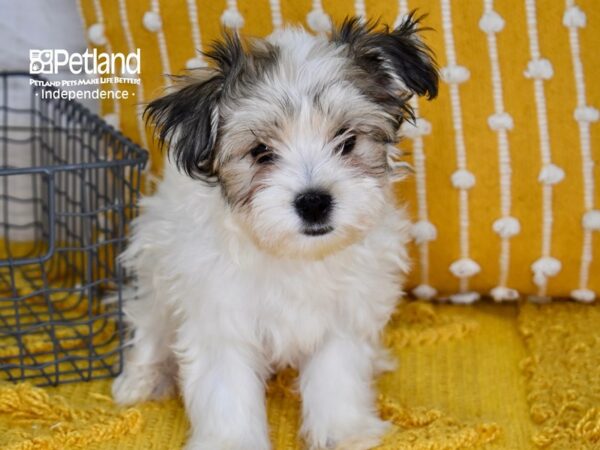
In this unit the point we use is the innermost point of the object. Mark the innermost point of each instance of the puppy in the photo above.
(274, 239)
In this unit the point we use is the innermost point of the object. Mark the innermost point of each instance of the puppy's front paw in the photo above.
(361, 435)
(140, 384)
(227, 443)
(358, 435)
(200, 444)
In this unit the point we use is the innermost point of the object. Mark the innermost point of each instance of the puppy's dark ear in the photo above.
(187, 120)
(397, 59)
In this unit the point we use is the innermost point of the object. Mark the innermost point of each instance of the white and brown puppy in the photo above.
(274, 239)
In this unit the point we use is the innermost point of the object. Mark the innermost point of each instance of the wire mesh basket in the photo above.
(69, 185)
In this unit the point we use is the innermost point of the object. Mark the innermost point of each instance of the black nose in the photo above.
(314, 206)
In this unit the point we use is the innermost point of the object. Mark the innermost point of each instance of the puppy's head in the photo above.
(296, 129)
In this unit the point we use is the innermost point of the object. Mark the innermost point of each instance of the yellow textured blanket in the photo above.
(488, 376)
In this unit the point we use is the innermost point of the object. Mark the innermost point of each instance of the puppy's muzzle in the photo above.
(314, 208)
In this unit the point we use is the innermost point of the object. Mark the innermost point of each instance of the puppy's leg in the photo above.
(337, 398)
(222, 387)
(150, 369)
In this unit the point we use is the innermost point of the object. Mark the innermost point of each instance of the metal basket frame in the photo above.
(74, 196)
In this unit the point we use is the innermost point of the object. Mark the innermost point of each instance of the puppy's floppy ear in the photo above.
(187, 120)
(397, 59)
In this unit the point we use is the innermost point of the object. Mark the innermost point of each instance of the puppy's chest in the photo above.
(297, 310)
(287, 335)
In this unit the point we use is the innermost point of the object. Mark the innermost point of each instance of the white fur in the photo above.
(227, 297)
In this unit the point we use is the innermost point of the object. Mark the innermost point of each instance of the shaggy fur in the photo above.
(274, 239)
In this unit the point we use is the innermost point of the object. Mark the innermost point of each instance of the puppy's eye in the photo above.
(262, 154)
(348, 144)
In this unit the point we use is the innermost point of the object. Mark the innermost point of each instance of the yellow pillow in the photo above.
(505, 192)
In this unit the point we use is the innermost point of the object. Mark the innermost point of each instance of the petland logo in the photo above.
(53, 61)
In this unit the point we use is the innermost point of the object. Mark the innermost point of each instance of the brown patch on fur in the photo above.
(240, 183)
(372, 164)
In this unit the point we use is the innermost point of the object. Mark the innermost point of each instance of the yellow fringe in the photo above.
(56, 425)
(562, 374)
(418, 323)
(429, 429)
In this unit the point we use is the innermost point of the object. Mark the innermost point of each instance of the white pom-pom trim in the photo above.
(463, 179)
(501, 293)
(543, 268)
(421, 127)
(424, 292)
(423, 231)
(152, 21)
(491, 22)
(539, 68)
(318, 21)
(232, 18)
(574, 17)
(464, 298)
(500, 121)
(507, 227)
(547, 265)
(112, 119)
(194, 63)
(96, 34)
(586, 114)
(455, 74)
(591, 220)
(464, 268)
(583, 295)
(551, 174)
